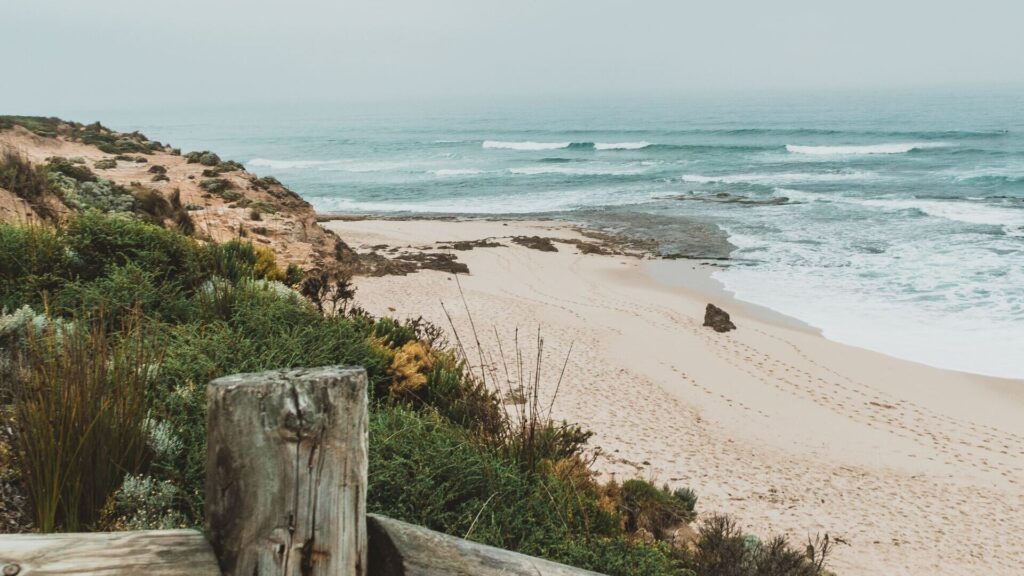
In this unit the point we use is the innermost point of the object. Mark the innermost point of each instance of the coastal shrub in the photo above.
(204, 157)
(221, 168)
(34, 262)
(266, 182)
(35, 124)
(98, 242)
(105, 164)
(70, 169)
(237, 260)
(18, 176)
(216, 185)
(143, 503)
(622, 556)
(428, 471)
(105, 196)
(656, 511)
(293, 274)
(255, 326)
(724, 550)
(80, 400)
(162, 210)
(128, 158)
(157, 169)
(122, 291)
(331, 293)
(99, 194)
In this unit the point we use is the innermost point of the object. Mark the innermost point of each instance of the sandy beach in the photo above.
(912, 469)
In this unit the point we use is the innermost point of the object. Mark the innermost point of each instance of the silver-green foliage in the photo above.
(102, 195)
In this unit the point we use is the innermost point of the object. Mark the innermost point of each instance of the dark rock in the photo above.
(463, 245)
(717, 319)
(535, 243)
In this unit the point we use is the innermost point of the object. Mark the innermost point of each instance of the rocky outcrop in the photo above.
(223, 201)
(717, 319)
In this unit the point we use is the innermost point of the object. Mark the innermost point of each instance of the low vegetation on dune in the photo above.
(96, 134)
(72, 184)
(112, 327)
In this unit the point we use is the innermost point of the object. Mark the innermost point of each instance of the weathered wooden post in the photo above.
(286, 472)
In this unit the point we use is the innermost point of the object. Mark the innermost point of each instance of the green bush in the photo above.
(18, 176)
(34, 261)
(98, 242)
(426, 470)
(123, 290)
(70, 169)
(216, 185)
(655, 510)
(98, 194)
(204, 157)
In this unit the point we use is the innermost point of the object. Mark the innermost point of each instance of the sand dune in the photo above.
(916, 470)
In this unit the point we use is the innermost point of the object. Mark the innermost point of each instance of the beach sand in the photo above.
(914, 470)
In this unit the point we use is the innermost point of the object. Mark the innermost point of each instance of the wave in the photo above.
(900, 148)
(540, 202)
(576, 171)
(1008, 175)
(621, 146)
(922, 134)
(960, 211)
(288, 164)
(502, 145)
(456, 172)
(967, 211)
(329, 165)
(780, 178)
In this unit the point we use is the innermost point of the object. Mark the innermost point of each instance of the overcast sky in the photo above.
(108, 53)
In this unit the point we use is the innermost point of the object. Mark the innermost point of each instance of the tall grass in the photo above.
(529, 433)
(80, 404)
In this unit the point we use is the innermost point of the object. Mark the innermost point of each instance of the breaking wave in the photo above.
(900, 148)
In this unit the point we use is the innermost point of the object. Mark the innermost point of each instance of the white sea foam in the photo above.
(456, 172)
(780, 178)
(919, 308)
(499, 144)
(578, 170)
(1007, 173)
(343, 165)
(288, 164)
(621, 146)
(529, 203)
(897, 148)
(961, 211)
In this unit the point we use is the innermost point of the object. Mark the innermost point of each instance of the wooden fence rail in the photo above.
(285, 496)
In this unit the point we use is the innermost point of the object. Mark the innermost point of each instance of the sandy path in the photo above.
(918, 470)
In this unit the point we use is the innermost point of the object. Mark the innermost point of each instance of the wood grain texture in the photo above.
(401, 549)
(148, 552)
(286, 472)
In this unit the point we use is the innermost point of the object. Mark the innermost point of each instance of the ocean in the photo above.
(893, 222)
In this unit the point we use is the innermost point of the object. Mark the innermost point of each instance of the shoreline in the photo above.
(789, 432)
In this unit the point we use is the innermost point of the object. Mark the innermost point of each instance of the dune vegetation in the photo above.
(112, 326)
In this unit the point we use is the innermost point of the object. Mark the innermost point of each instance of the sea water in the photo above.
(893, 222)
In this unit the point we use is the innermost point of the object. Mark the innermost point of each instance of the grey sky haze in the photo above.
(125, 52)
